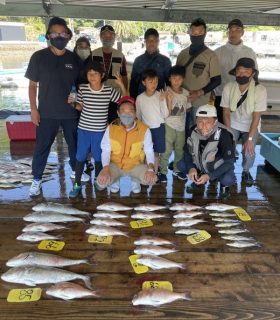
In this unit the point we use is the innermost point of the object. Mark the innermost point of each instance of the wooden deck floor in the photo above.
(225, 283)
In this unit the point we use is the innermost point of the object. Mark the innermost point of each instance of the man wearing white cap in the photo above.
(209, 151)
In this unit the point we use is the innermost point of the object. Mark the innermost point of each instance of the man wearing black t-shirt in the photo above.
(54, 71)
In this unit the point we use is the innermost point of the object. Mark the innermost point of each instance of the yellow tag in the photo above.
(242, 214)
(100, 239)
(24, 295)
(137, 224)
(137, 267)
(51, 245)
(201, 236)
(157, 285)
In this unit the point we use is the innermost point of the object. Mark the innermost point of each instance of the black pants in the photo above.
(218, 100)
(45, 135)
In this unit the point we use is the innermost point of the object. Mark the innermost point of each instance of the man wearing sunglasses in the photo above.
(52, 72)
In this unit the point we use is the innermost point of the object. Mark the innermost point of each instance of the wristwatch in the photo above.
(250, 138)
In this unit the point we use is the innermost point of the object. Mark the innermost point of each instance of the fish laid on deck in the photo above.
(153, 250)
(186, 222)
(225, 220)
(107, 222)
(222, 214)
(112, 206)
(237, 238)
(228, 224)
(243, 244)
(51, 217)
(183, 207)
(150, 240)
(149, 207)
(157, 297)
(109, 215)
(187, 231)
(220, 207)
(37, 236)
(148, 215)
(157, 263)
(42, 227)
(233, 231)
(186, 215)
(105, 231)
(60, 208)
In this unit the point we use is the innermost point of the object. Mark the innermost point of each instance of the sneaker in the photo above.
(224, 192)
(84, 178)
(247, 178)
(75, 191)
(35, 188)
(135, 186)
(162, 178)
(180, 175)
(115, 187)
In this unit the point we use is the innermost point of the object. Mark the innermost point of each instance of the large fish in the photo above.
(105, 231)
(42, 227)
(228, 224)
(149, 207)
(112, 206)
(157, 263)
(51, 217)
(237, 238)
(183, 207)
(187, 231)
(31, 276)
(109, 215)
(42, 259)
(153, 250)
(220, 207)
(60, 208)
(232, 231)
(186, 222)
(148, 215)
(150, 240)
(37, 236)
(243, 244)
(107, 222)
(69, 290)
(187, 215)
(157, 297)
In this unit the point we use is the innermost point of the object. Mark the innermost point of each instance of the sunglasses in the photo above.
(54, 35)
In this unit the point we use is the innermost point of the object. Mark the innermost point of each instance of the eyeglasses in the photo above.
(53, 35)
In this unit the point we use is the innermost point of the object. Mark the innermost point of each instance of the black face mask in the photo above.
(59, 42)
(197, 40)
(242, 80)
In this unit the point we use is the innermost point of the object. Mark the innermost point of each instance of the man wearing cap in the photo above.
(202, 69)
(243, 101)
(151, 59)
(209, 151)
(228, 55)
(114, 63)
(125, 144)
(52, 72)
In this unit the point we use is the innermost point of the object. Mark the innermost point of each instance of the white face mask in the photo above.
(83, 53)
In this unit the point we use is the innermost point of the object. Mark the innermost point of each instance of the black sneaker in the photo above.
(224, 192)
(247, 178)
(180, 175)
(162, 178)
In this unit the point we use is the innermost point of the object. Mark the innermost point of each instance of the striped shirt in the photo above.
(95, 104)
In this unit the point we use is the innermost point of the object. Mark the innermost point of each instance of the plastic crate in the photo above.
(21, 128)
(270, 149)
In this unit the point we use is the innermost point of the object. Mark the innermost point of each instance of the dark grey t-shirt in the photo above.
(55, 75)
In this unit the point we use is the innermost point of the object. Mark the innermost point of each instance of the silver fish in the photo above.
(222, 214)
(183, 206)
(69, 290)
(149, 207)
(37, 236)
(220, 207)
(109, 215)
(42, 259)
(225, 220)
(148, 215)
(157, 297)
(153, 250)
(186, 222)
(31, 276)
(237, 238)
(105, 231)
(51, 217)
(227, 224)
(187, 231)
(243, 244)
(107, 222)
(232, 231)
(60, 208)
(150, 240)
(186, 215)
(42, 227)
(157, 263)
(112, 206)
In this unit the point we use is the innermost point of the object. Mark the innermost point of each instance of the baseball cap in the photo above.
(126, 99)
(107, 27)
(246, 63)
(235, 22)
(206, 111)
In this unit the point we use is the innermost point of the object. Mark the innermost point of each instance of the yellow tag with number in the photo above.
(137, 224)
(157, 285)
(24, 295)
(242, 214)
(201, 236)
(51, 245)
(137, 267)
(100, 239)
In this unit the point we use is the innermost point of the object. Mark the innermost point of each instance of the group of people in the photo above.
(132, 130)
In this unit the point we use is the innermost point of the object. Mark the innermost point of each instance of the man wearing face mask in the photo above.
(125, 144)
(114, 63)
(202, 69)
(243, 102)
(52, 71)
(209, 151)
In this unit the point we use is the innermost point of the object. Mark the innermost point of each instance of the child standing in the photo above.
(178, 105)
(151, 108)
(93, 100)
